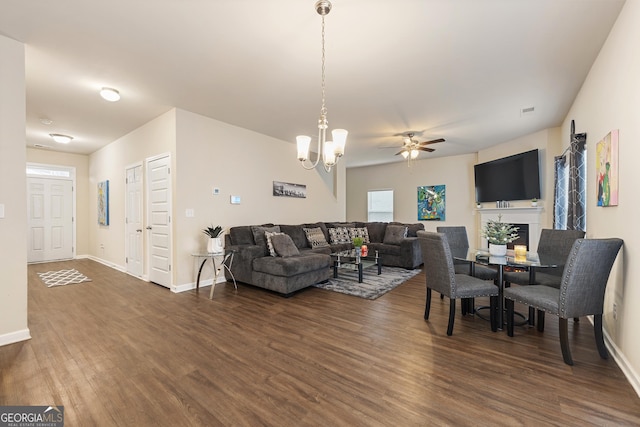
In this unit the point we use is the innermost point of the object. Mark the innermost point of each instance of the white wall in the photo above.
(240, 162)
(610, 99)
(13, 189)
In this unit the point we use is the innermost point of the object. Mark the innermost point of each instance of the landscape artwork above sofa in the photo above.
(431, 203)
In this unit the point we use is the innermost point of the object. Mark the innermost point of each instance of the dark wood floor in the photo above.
(119, 351)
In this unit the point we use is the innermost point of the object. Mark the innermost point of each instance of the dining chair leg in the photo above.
(597, 328)
(540, 321)
(452, 315)
(493, 313)
(464, 304)
(427, 305)
(510, 313)
(564, 341)
(532, 316)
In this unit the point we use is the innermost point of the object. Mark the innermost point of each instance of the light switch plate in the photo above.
(1, 210)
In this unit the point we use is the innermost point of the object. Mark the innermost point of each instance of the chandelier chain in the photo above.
(323, 110)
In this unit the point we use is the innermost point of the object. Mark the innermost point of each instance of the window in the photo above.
(380, 205)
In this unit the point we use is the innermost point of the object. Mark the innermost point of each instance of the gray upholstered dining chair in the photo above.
(581, 291)
(459, 244)
(555, 243)
(441, 277)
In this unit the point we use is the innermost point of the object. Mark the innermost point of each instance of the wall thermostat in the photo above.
(235, 200)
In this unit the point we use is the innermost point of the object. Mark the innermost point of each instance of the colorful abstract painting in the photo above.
(431, 203)
(607, 170)
(103, 202)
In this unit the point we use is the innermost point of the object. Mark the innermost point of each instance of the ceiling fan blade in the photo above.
(432, 141)
(400, 152)
(426, 149)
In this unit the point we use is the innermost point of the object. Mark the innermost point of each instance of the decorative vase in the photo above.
(497, 250)
(214, 245)
(534, 204)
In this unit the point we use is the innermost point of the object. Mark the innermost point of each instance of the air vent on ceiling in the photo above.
(527, 111)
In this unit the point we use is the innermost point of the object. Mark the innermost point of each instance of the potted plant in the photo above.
(357, 243)
(498, 234)
(214, 245)
(534, 202)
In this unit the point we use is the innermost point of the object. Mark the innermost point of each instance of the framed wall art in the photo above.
(431, 203)
(607, 170)
(103, 202)
(286, 189)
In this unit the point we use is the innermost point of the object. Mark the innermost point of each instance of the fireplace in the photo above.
(526, 218)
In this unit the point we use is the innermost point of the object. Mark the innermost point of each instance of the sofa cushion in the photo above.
(340, 224)
(283, 245)
(319, 225)
(296, 233)
(268, 236)
(315, 237)
(359, 232)
(291, 266)
(394, 234)
(412, 229)
(259, 237)
(376, 231)
(339, 235)
(241, 235)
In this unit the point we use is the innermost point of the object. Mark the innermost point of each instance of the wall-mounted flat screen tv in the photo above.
(515, 177)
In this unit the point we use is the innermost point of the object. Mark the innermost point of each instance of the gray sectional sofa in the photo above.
(286, 258)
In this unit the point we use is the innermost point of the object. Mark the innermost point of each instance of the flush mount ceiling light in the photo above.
(331, 151)
(62, 139)
(110, 94)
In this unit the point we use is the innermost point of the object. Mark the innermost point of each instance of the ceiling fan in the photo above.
(412, 148)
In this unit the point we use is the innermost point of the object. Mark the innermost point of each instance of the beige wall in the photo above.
(13, 188)
(456, 173)
(242, 163)
(608, 100)
(107, 243)
(81, 163)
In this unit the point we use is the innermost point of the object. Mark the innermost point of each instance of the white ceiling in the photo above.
(457, 69)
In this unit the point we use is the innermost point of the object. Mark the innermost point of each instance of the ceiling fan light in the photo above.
(110, 94)
(414, 153)
(303, 142)
(405, 154)
(59, 138)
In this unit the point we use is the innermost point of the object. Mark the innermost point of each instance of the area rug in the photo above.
(62, 277)
(372, 286)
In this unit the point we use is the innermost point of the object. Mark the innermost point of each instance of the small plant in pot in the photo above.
(498, 234)
(215, 238)
(357, 243)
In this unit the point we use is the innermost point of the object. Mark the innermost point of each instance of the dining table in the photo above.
(529, 261)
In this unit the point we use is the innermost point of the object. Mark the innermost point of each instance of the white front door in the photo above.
(134, 223)
(50, 219)
(159, 220)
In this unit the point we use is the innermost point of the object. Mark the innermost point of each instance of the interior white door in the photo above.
(49, 219)
(134, 222)
(159, 220)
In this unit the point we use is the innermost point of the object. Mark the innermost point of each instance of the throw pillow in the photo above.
(394, 234)
(269, 236)
(339, 235)
(359, 232)
(284, 246)
(258, 233)
(315, 236)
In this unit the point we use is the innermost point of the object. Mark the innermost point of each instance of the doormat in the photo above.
(372, 286)
(62, 277)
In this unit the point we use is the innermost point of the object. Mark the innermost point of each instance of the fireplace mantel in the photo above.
(517, 215)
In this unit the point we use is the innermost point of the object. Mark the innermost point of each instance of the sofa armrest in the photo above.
(411, 252)
(242, 267)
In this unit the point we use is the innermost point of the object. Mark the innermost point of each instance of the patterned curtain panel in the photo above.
(561, 190)
(576, 208)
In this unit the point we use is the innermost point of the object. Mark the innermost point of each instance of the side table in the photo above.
(226, 260)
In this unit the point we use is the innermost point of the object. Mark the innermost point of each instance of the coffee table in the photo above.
(350, 260)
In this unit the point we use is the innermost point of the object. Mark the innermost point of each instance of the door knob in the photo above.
(148, 227)
(139, 230)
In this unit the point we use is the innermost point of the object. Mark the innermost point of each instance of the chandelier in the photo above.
(331, 151)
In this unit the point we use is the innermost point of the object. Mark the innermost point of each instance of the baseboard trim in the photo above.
(14, 337)
(622, 362)
(107, 263)
(190, 286)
